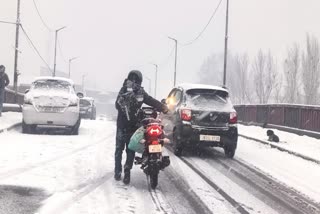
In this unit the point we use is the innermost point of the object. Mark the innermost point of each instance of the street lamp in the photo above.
(83, 76)
(155, 82)
(70, 60)
(55, 50)
(175, 61)
(149, 83)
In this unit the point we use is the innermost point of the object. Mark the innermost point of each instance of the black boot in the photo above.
(117, 176)
(126, 178)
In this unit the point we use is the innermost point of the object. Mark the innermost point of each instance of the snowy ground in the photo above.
(305, 145)
(9, 118)
(74, 174)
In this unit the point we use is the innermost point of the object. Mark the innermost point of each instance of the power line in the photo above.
(43, 22)
(199, 35)
(5, 22)
(34, 47)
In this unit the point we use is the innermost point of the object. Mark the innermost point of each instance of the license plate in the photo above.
(210, 138)
(155, 148)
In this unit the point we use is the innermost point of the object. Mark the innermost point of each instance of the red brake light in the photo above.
(154, 131)
(233, 117)
(154, 142)
(186, 114)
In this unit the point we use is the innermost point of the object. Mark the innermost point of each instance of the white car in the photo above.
(51, 102)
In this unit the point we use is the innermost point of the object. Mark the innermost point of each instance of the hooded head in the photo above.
(135, 76)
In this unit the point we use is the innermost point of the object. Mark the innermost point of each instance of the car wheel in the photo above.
(229, 151)
(177, 145)
(26, 129)
(75, 128)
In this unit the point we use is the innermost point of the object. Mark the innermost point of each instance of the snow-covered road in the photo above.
(74, 174)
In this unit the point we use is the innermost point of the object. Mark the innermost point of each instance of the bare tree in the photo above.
(241, 68)
(311, 69)
(291, 71)
(211, 70)
(264, 69)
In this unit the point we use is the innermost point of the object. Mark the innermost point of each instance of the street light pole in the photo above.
(55, 51)
(175, 61)
(70, 60)
(149, 83)
(226, 47)
(83, 76)
(16, 53)
(156, 80)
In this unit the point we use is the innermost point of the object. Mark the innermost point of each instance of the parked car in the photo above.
(51, 102)
(87, 108)
(202, 116)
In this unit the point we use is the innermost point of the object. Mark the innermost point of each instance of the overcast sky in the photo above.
(113, 37)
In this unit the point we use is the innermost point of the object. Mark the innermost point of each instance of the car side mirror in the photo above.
(26, 91)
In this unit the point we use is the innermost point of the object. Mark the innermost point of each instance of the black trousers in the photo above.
(122, 140)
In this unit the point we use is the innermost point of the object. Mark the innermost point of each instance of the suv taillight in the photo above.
(233, 117)
(186, 114)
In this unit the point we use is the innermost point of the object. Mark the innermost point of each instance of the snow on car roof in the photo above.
(87, 98)
(54, 78)
(188, 86)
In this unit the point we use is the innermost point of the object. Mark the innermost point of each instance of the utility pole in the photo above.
(226, 47)
(15, 74)
(55, 51)
(70, 60)
(156, 79)
(175, 61)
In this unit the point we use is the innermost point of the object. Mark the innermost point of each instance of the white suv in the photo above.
(51, 102)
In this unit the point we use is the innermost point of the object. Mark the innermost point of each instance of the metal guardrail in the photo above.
(9, 97)
(293, 116)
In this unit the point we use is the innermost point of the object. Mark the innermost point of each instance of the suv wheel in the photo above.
(229, 151)
(177, 147)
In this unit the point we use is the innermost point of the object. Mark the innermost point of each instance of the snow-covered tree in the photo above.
(311, 69)
(291, 73)
(264, 70)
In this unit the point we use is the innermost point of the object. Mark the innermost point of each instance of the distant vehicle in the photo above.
(202, 116)
(87, 108)
(51, 102)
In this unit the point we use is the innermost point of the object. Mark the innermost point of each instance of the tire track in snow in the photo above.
(29, 167)
(156, 199)
(289, 198)
(61, 201)
(239, 207)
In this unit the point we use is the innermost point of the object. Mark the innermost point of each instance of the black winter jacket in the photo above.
(4, 80)
(138, 97)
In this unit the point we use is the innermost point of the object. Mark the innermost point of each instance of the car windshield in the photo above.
(52, 85)
(84, 103)
(208, 98)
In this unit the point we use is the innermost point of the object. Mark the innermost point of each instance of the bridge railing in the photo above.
(293, 116)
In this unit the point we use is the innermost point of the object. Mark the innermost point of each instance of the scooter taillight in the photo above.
(154, 131)
(154, 142)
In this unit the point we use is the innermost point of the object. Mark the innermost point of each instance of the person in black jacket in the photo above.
(4, 82)
(129, 101)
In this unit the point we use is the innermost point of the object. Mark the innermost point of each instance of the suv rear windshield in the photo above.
(209, 98)
(84, 103)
